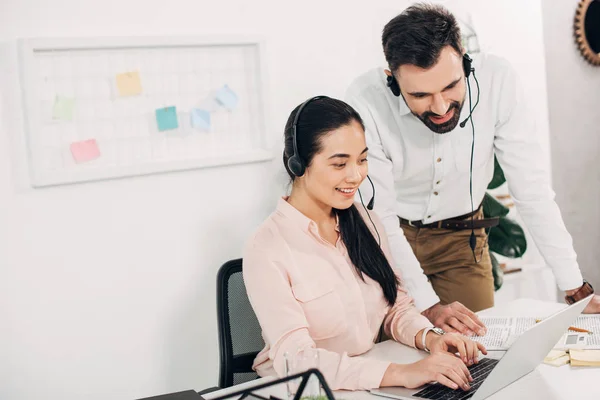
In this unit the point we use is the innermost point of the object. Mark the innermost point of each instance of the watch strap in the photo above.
(584, 291)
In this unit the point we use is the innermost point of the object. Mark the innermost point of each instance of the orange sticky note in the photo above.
(84, 151)
(129, 84)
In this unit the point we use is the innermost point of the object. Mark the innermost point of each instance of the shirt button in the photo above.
(436, 193)
(438, 182)
(439, 160)
(429, 216)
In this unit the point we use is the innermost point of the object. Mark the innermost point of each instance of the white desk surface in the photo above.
(544, 383)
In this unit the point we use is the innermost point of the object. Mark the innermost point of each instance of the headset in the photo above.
(468, 69)
(297, 167)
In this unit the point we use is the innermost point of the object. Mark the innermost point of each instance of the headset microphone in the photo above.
(372, 202)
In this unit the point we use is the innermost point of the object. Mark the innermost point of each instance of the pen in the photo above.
(572, 328)
(575, 329)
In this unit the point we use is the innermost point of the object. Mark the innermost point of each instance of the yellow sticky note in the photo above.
(554, 354)
(129, 84)
(558, 362)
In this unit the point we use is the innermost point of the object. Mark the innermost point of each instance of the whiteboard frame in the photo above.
(27, 47)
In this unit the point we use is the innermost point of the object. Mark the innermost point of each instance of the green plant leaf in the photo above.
(508, 239)
(498, 178)
(497, 272)
(493, 208)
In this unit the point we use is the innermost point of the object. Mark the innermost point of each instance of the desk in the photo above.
(544, 383)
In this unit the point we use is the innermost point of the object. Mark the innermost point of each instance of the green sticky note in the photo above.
(166, 118)
(63, 108)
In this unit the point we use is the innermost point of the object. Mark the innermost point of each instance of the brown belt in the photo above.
(456, 223)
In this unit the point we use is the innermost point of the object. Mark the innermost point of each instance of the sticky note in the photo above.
(63, 108)
(84, 151)
(166, 118)
(227, 97)
(129, 84)
(554, 354)
(200, 119)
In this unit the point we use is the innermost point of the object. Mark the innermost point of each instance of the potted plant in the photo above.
(508, 238)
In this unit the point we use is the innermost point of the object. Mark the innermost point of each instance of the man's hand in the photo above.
(455, 317)
(593, 306)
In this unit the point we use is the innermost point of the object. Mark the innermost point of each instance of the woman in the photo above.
(317, 277)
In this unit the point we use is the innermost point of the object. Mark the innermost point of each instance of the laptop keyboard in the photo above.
(478, 372)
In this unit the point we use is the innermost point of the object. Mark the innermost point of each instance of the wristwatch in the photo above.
(436, 330)
(584, 291)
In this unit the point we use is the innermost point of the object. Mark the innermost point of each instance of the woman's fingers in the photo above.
(441, 379)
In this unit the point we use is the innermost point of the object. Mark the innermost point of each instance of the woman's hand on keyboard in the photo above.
(455, 343)
(443, 368)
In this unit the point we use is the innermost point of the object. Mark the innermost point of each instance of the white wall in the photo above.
(574, 95)
(108, 289)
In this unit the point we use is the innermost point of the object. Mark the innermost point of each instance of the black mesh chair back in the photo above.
(240, 337)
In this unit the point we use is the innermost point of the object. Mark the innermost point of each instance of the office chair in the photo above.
(240, 337)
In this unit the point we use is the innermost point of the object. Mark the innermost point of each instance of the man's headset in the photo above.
(392, 83)
(297, 167)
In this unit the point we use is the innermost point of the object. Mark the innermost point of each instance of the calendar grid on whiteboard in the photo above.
(180, 72)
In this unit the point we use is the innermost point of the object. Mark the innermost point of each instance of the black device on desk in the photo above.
(252, 391)
(185, 395)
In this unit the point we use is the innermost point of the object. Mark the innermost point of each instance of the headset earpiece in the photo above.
(295, 163)
(467, 65)
(392, 83)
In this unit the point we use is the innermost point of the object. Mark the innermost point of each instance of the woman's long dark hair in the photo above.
(319, 117)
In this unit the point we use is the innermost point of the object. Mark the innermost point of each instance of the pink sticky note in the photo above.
(84, 151)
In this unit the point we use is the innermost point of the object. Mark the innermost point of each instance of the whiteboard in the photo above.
(102, 108)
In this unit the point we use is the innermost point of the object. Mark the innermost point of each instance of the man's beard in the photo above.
(446, 126)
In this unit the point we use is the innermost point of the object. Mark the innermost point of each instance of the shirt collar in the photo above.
(290, 212)
(299, 219)
(402, 106)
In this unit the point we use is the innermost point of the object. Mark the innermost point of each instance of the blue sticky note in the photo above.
(166, 118)
(200, 119)
(227, 97)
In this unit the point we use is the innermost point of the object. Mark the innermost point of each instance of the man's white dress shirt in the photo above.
(422, 175)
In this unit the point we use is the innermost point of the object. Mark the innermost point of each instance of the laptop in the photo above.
(491, 375)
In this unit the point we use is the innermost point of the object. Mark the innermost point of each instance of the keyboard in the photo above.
(478, 372)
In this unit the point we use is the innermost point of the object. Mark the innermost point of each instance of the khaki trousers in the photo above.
(447, 260)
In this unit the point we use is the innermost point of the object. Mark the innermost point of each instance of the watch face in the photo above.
(439, 331)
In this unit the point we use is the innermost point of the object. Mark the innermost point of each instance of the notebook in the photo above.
(584, 358)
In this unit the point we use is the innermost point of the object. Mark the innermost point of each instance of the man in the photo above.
(420, 135)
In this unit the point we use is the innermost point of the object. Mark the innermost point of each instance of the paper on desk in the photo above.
(592, 324)
(503, 331)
